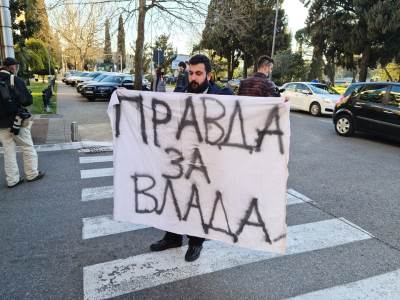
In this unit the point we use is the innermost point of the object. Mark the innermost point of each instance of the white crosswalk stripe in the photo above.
(97, 193)
(105, 225)
(93, 173)
(152, 269)
(95, 159)
(382, 287)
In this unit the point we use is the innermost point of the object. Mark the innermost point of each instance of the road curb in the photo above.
(66, 146)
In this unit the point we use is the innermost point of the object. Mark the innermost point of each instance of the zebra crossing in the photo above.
(150, 270)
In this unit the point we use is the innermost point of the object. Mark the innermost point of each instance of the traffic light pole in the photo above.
(6, 38)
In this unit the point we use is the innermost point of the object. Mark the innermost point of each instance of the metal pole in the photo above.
(7, 44)
(74, 132)
(48, 58)
(275, 27)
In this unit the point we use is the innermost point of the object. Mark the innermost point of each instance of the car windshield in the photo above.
(101, 77)
(322, 89)
(94, 75)
(116, 79)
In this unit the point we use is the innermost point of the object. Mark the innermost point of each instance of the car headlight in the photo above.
(329, 101)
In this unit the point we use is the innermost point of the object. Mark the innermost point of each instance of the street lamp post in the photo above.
(275, 28)
(6, 38)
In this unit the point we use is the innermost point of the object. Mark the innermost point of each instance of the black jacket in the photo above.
(214, 90)
(20, 94)
(182, 82)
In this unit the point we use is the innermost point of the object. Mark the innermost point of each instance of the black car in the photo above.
(370, 107)
(103, 89)
(100, 77)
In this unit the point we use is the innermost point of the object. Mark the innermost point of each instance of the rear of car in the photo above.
(369, 107)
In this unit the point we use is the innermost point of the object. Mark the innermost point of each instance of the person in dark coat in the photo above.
(199, 83)
(259, 85)
(15, 127)
(183, 78)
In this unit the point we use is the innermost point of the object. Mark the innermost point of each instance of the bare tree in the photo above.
(80, 30)
(170, 12)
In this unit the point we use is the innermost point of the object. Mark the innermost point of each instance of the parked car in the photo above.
(71, 80)
(89, 77)
(69, 74)
(370, 107)
(103, 89)
(316, 98)
(81, 85)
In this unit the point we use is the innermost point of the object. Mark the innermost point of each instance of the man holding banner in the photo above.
(206, 164)
(199, 83)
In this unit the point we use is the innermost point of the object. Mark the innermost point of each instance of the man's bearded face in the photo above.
(198, 78)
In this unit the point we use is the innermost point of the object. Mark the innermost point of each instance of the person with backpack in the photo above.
(15, 126)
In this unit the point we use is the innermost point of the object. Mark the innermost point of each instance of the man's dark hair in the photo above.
(182, 64)
(201, 59)
(264, 60)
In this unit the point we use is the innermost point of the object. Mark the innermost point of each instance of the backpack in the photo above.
(8, 105)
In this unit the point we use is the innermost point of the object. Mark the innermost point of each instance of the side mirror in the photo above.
(282, 90)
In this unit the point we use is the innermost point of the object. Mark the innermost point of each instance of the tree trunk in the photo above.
(388, 74)
(330, 72)
(229, 66)
(139, 46)
(245, 66)
(364, 64)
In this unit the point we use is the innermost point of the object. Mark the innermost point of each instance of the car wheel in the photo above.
(344, 125)
(91, 99)
(315, 109)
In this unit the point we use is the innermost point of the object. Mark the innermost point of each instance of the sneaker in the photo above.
(38, 177)
(21, 180)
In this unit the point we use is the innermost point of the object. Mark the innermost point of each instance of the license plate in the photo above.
(89, 92)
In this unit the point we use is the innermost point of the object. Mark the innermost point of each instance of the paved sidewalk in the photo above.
(92, 119)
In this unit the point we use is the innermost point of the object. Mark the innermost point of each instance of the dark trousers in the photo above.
(193, 240)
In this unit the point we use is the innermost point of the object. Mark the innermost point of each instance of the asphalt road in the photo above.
(50, 249)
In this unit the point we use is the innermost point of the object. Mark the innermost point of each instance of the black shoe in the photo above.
(21, 180)
(164, 245)
(193, 253)
(38, 177)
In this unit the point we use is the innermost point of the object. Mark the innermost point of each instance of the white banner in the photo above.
(211, 166)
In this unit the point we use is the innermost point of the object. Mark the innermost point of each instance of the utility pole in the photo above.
(6, 38)
(275, 28)
(274, 35)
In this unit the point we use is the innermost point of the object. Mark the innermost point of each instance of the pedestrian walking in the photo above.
(259, 85)
(183, 78)
(199, 83)
(158, 84)
(15, 125)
